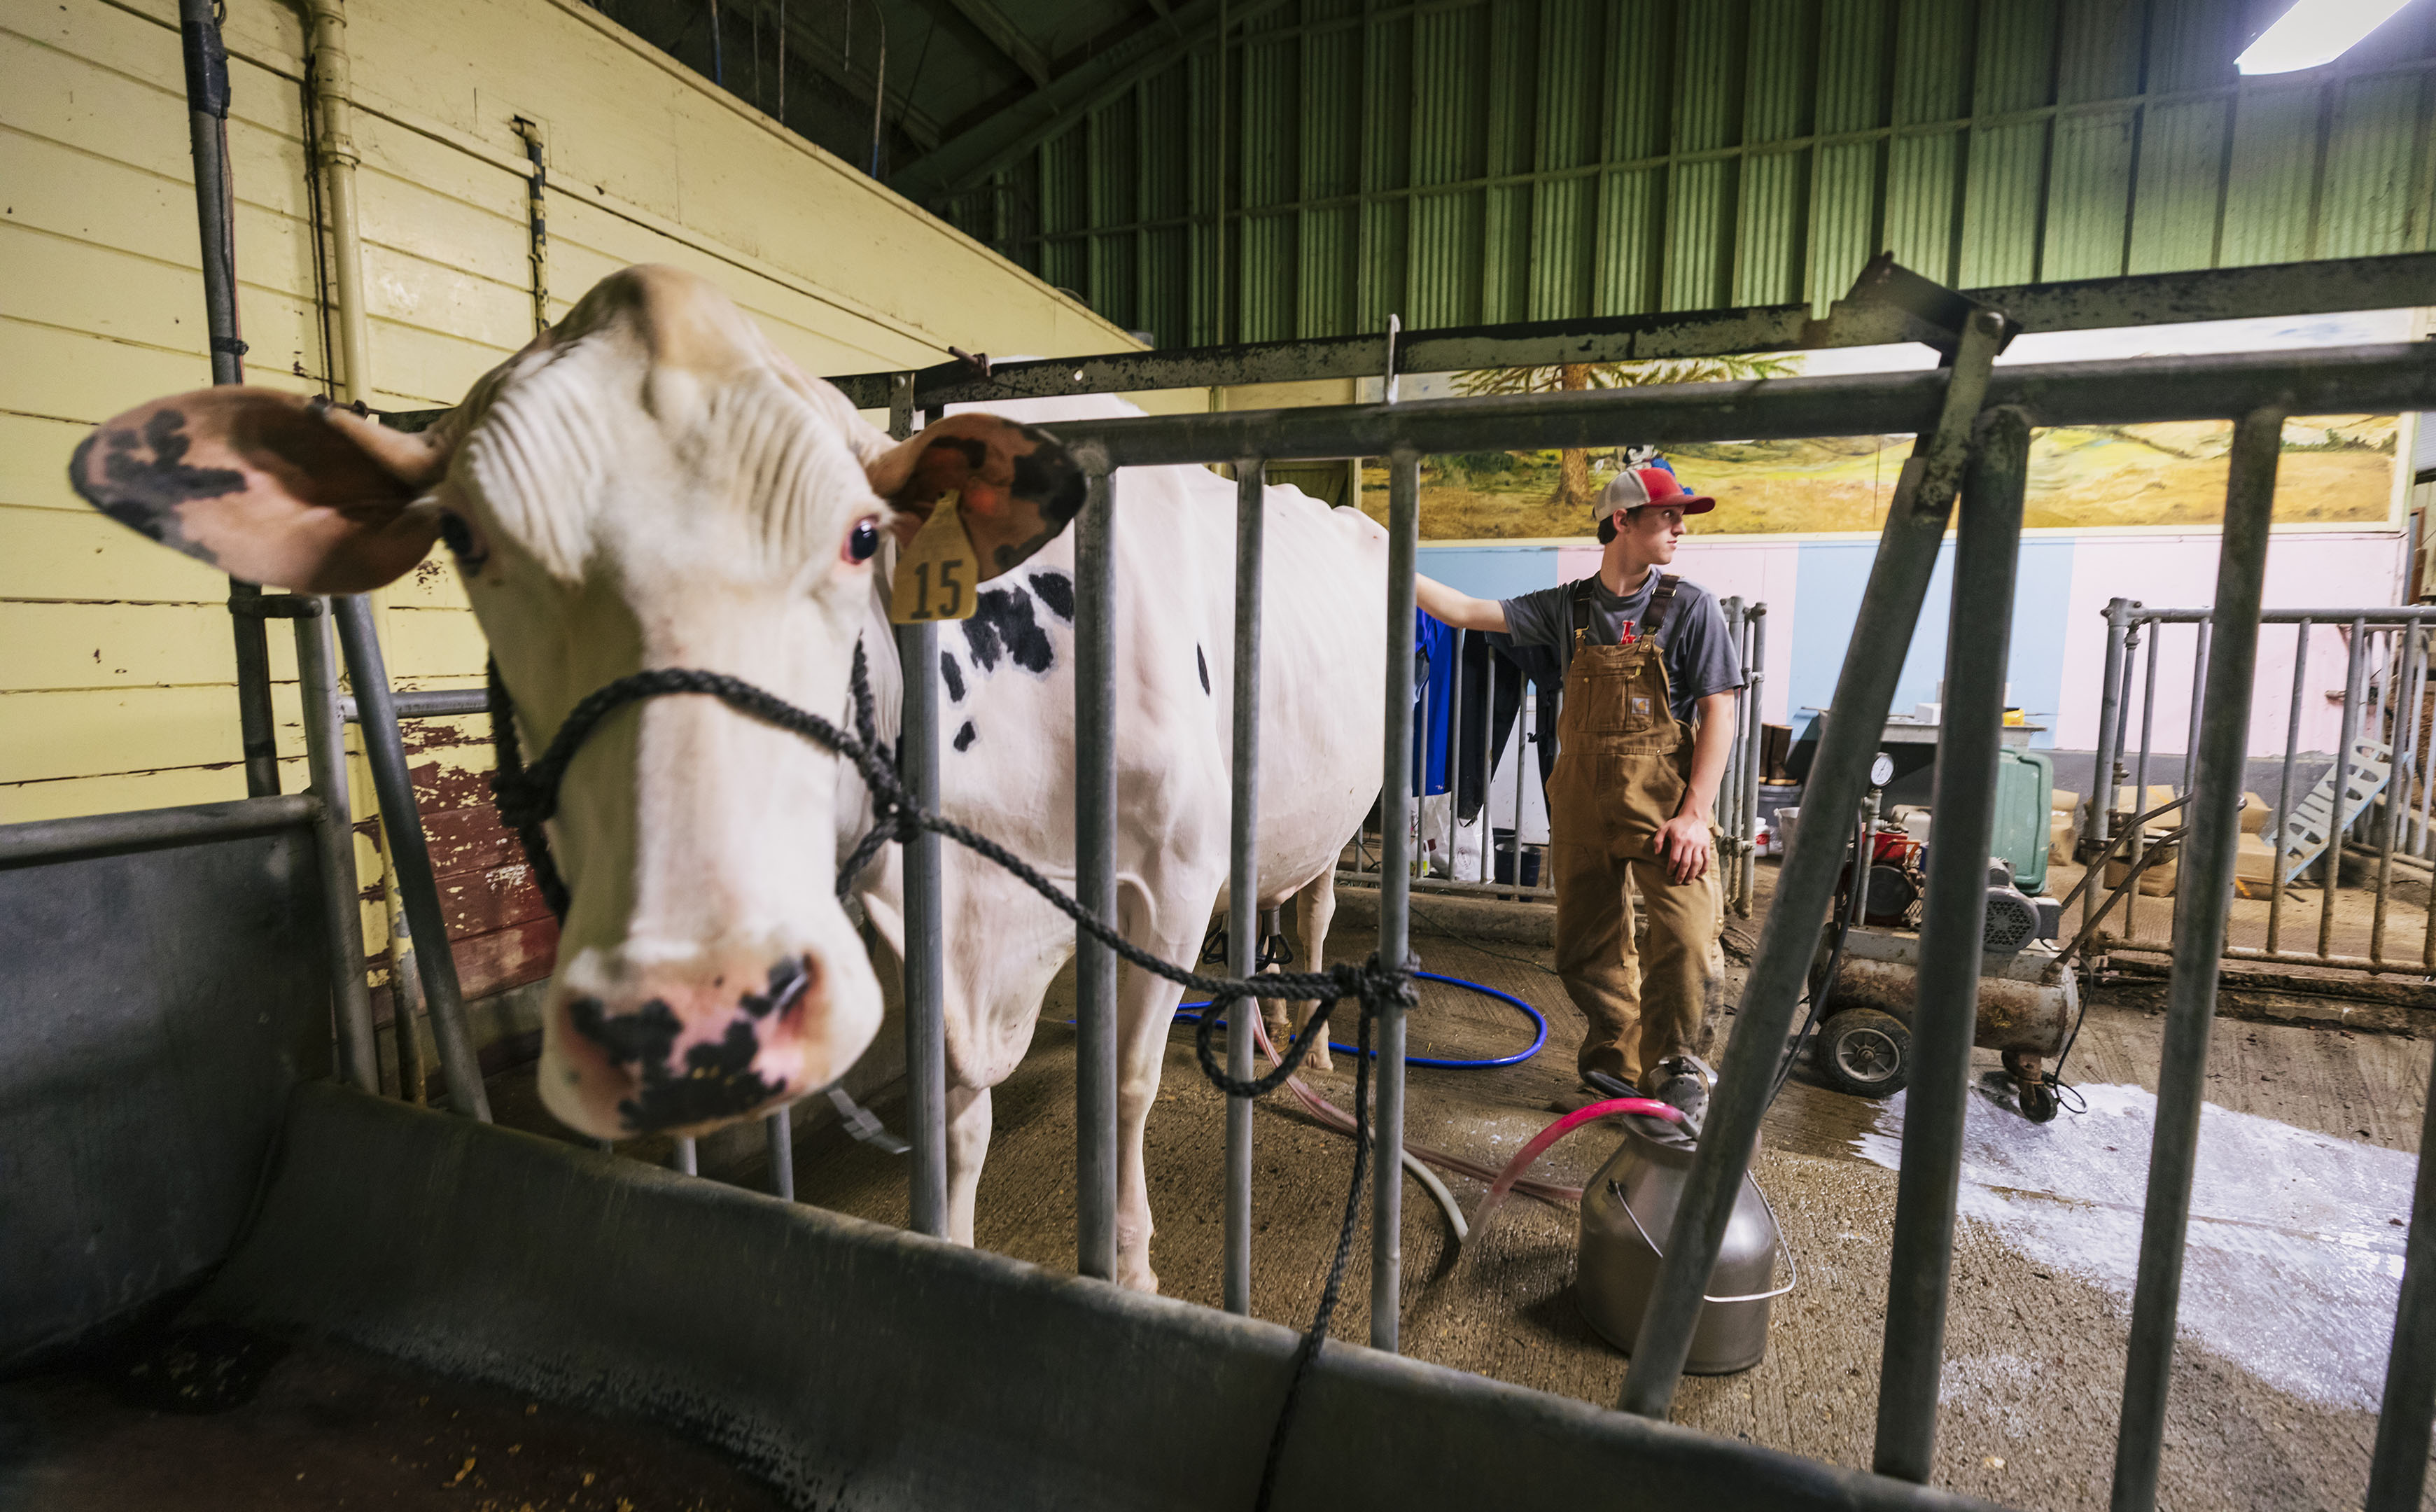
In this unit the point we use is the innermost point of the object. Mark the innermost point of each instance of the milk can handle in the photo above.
(1791, 1263)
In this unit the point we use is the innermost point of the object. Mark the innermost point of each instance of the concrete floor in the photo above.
(2035, 1345)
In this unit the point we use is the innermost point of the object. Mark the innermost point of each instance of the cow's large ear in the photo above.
(270, 487)
(1019, 487)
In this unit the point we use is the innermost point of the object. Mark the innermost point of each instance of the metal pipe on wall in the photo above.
(333, 77)
(411, 855)
(1243, 876)
(1394, 902)
(1908, 551)
(207, 106)
(325, 755)
(2206, 879)
(1095, 867)
(2103, 778)
(926, 935)
(1953, 919)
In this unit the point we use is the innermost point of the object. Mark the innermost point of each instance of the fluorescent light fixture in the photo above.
(2315, 32)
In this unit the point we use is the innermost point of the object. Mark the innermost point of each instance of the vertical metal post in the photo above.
(1243, 876)
(2284, 791)
(377, 717)
(1095, 843)
(1955, 917)
(2199, 680)
(2102, 779)
(2200, 896)
(682, 1158)
(1907, 549)
(2397, 1468)
(1756, 737)
(1394, 902)
(333, 836)
(781, 1127)
(2140, 772)
(2340, 821)
(2405, 670)
(1729, 786)
(207, 103)
(926, 1030)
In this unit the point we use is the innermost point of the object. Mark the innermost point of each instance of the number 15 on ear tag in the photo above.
(936, 577)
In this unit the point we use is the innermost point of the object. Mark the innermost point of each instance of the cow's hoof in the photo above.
(1319, 1061)
(1138, 1278)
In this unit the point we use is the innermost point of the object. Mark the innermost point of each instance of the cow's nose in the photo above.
(687, 1052)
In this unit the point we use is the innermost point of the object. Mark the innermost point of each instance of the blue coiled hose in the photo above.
(1539, 1027)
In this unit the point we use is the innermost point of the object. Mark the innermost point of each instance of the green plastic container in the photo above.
(2024, 787)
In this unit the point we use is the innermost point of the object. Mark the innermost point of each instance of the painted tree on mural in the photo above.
(1574, 489)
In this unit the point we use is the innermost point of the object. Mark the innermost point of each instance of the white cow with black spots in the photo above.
(652, 484)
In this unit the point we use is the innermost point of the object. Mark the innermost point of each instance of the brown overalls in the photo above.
(1623, 763)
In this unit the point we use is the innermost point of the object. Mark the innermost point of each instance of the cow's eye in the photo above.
(863, 540)
(459, 538)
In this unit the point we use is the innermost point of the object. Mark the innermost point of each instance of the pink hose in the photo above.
(1529, 1154)
(1510, 1179)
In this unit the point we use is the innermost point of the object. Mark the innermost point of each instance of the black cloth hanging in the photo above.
(1493, 680)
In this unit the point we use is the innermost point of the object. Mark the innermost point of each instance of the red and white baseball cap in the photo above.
(1637, 486)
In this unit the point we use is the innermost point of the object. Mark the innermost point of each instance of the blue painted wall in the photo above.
(1832, 577)
(1492, 571)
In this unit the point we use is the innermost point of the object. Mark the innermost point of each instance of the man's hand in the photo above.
(1684, 844)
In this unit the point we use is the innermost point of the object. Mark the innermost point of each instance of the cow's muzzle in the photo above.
(686, 1054)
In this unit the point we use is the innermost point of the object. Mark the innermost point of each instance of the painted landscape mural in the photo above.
(2336, 469)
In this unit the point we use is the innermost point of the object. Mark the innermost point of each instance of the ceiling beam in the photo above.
(977, 152)
(1004, 35)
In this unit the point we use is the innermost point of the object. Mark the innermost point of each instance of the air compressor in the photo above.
(1865, 980)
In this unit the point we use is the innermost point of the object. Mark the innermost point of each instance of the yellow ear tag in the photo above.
(936, 577)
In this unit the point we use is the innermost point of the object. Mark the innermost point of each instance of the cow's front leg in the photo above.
(1146, 1009)
(968, 1134)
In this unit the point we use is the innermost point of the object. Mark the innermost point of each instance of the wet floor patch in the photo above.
(2296, 1236)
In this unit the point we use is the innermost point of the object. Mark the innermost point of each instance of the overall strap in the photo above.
(1582, 609)
(1653, 619)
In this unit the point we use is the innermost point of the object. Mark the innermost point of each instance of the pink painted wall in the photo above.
(2303, 570)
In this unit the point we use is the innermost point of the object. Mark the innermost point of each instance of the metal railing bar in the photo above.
(426, 703)
(42, 841)
(2392, 814)
(1756, 679)
(2199, 680)
(2364, 379)
(1244, 875)
(1395, 896)
(342, 924)
(2207, 863)
(2284, 789)
(2339, 822)
(2382, 618)
(926, 935)
(2397, 1468)
(411, 855)
(2110, 724)
(2140, 771)
(1438, 884)
(1890, 612)
(780, 1126)
(1095, 842)
(1954, 918)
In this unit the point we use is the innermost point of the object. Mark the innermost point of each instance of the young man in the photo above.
(1648, 717)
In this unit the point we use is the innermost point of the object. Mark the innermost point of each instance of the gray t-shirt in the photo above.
(1700, 657)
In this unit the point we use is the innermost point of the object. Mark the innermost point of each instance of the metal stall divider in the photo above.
(1243, 874)
(926, 1030)
(1095, 868)
(1395, 900)
(1944, 408)
(2207, 863)
(1754, 745)
(401, 820)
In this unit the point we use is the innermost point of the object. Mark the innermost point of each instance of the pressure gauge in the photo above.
(1882, 770)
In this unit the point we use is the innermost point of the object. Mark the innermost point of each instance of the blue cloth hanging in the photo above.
(1433, 675)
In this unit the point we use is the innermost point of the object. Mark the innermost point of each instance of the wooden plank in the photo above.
(34, 452)
(60, 646)
(47, 737)
(121, 793)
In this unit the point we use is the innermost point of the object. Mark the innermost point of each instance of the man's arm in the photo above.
(1683, 840)
(1460, 611)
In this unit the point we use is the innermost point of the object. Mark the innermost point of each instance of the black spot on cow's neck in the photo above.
(965, 737)
(1056, 590)
(1202, 661)
(1002, 624)
(954, 675)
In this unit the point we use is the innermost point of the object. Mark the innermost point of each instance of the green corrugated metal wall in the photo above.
(1506, 160)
